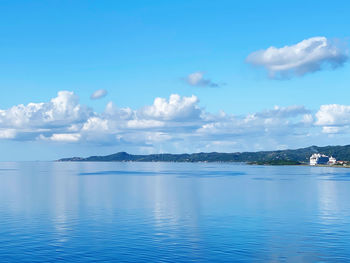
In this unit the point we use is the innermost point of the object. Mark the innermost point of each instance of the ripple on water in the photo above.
(137, 212)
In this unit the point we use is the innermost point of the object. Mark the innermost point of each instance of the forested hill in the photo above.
(299, 155)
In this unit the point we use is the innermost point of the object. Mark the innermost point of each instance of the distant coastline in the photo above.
(281, 157)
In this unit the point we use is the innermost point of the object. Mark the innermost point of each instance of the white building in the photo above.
(318, 158)
(332, 160)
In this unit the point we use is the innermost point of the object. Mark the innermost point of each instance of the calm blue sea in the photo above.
(173, 212)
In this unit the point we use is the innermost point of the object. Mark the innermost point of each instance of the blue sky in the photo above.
(137, 51)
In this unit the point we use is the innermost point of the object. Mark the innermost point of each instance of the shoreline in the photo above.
(207, 162)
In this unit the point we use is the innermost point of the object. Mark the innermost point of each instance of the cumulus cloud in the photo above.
(144, 124)
(308, 119)
(278, 121)
(7, 133)
(65, 137)
(174, 124)
(59, 112)
(330, 129)
(289, 111)
(333, 114)
(176, 108)
(197, 79)
(334, 119)
(98, 94)
(307, 56)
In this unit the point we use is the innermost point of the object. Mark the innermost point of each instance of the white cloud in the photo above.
(276, 122)
(307, 56)
(176, 108)
(65, 137)
(98, 94)
(171, 124)
(96, 124)
(330, 129)
(308, 119)
(289, 111)
(116, 113)
(197, 79)
(7, 133)
(59, 112)
(333, 114)
(144, 124)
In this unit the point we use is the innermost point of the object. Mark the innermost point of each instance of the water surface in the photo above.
(173, 212)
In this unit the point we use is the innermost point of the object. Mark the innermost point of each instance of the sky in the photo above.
(82, 78)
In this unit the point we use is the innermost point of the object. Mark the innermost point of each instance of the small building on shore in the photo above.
(344, 163)
(332, 160)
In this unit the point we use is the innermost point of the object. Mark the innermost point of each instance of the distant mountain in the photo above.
(299, 155)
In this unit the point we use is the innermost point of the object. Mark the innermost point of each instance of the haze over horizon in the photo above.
(94, 78)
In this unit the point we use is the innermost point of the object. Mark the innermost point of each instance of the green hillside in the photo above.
(299, 155)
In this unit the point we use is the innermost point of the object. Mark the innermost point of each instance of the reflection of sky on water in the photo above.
(332, 185)
(188, 211)
(328, 203)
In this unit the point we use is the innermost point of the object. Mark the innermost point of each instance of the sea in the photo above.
(173, 212)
